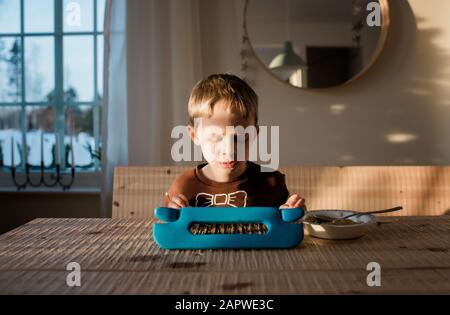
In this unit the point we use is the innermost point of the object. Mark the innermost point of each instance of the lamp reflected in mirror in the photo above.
(288, 65)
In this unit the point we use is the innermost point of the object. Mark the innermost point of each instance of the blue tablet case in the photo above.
(175, 233)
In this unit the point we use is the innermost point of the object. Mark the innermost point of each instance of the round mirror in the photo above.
(316, 43)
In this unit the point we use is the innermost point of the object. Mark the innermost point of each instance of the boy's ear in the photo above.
(191, 131)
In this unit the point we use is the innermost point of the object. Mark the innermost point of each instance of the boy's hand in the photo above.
(294, 201)
(177, 202)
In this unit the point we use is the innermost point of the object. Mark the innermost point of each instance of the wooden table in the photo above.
(119, 256)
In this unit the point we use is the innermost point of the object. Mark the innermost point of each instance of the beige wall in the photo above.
(407, 91)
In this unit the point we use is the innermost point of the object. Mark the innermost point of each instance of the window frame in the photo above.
(86, 179)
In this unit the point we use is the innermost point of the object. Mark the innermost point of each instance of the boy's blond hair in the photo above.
(230, 88)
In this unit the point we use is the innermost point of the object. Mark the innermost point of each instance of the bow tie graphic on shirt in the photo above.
(234, 199)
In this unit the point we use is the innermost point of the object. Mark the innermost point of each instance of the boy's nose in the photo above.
(228, 147)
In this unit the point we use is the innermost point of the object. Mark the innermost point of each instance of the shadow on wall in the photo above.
(424, 85)
(404, 123)
(393, 115)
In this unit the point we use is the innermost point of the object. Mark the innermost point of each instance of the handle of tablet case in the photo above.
(167, 214)
(292, 214)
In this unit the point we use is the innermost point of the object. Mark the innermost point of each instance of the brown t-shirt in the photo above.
(251, 188)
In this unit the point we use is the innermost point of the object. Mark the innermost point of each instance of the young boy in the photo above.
(219, 101)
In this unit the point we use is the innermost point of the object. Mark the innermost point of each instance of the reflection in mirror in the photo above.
(316, 43)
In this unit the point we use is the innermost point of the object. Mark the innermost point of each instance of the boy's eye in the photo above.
(236, 138)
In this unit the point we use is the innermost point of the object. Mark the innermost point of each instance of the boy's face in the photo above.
(222, 137)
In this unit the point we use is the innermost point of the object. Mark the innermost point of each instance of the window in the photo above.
(51, 80)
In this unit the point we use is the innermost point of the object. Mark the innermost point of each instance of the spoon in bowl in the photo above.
(327, 219)
(373, 212)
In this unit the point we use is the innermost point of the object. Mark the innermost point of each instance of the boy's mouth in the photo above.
(229, 164)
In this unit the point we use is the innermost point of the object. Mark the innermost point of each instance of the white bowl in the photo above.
(339, 232)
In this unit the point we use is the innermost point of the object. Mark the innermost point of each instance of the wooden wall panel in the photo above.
(421, 190)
